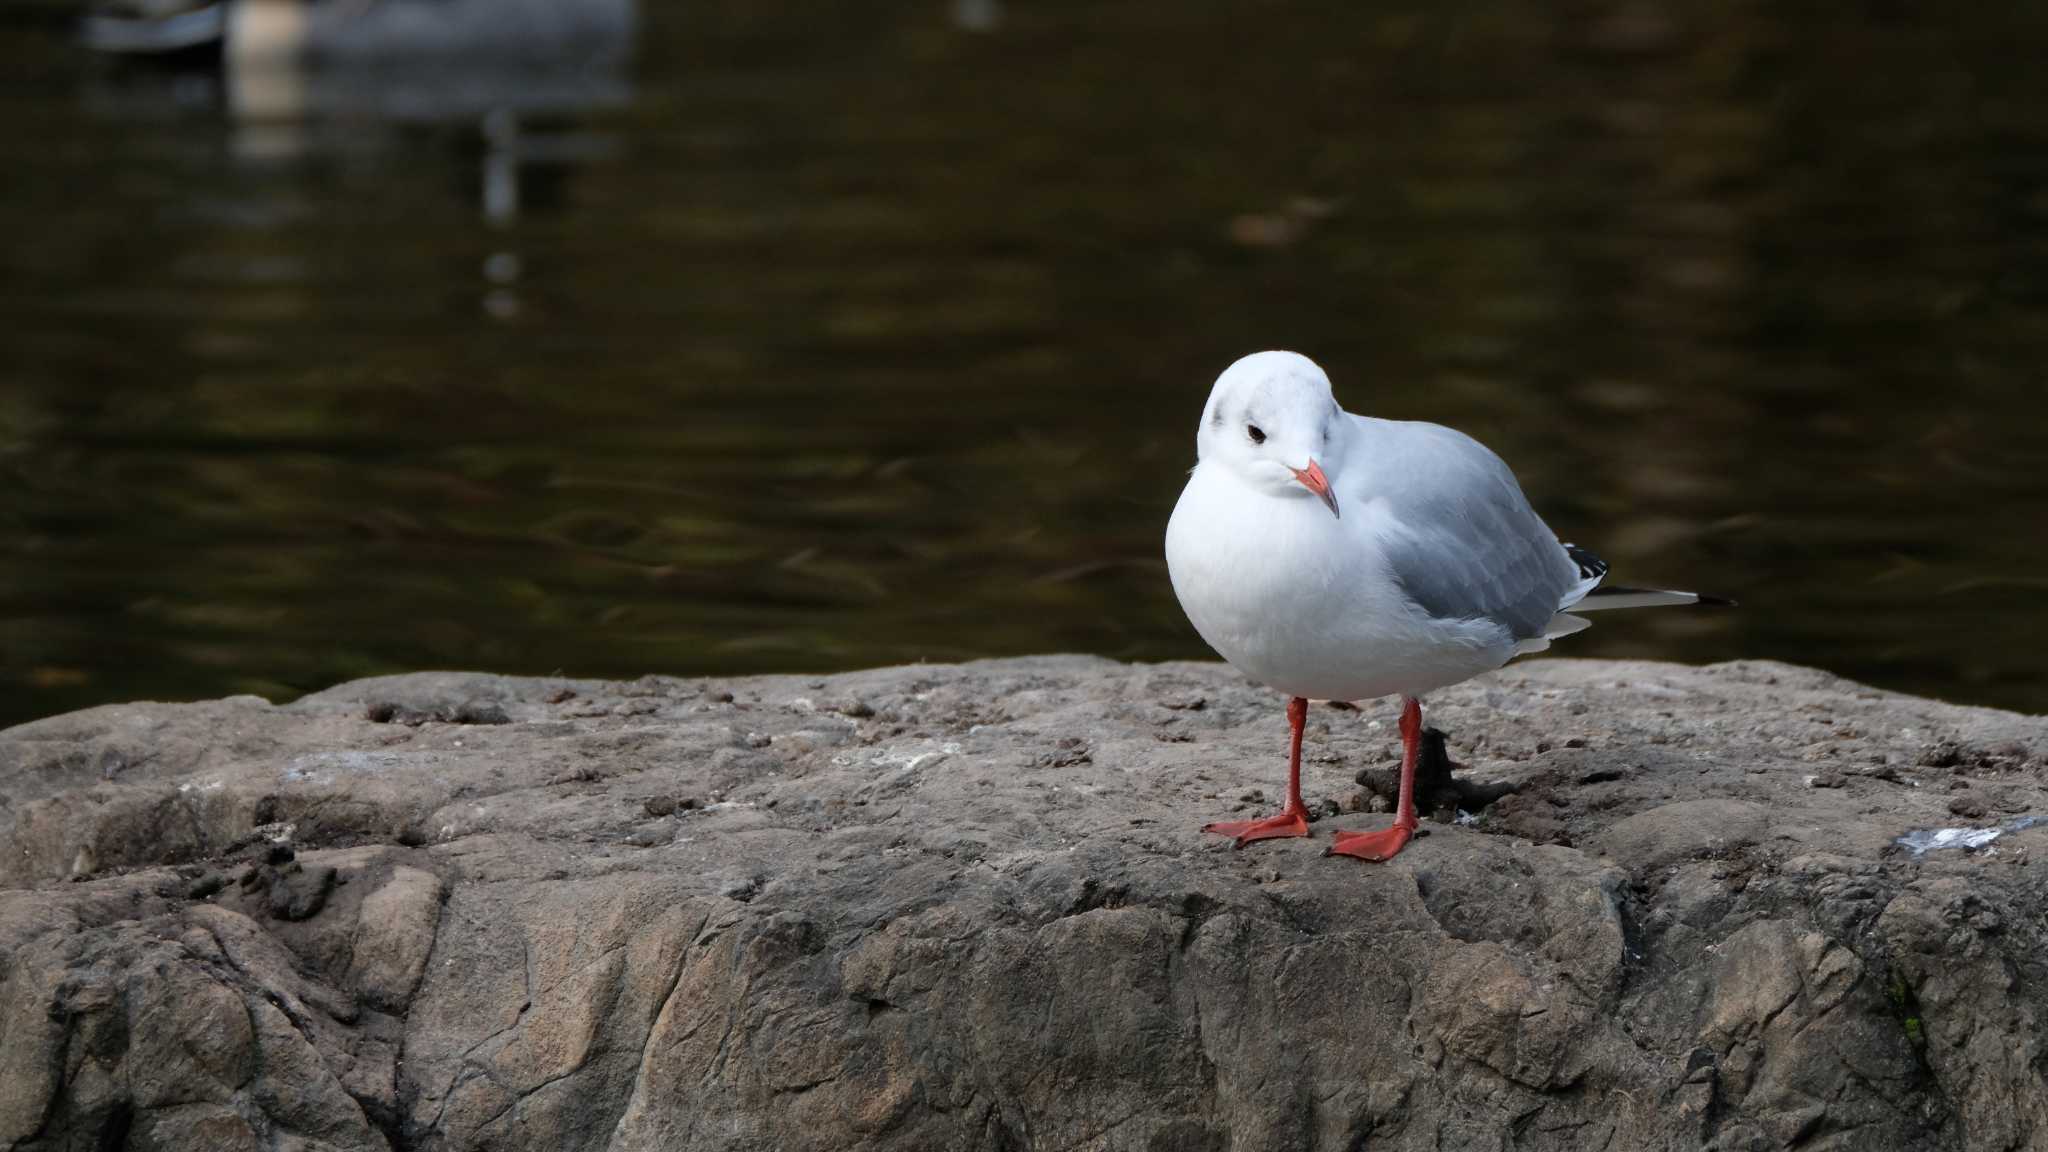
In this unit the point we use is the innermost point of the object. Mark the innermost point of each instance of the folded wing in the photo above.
(1460, 538)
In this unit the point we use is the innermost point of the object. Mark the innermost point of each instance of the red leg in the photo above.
(1293, 819)
(1385, 843)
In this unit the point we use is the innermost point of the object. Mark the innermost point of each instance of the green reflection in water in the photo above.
(821, 341)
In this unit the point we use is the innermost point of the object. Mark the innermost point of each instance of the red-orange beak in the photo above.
(1312, 478)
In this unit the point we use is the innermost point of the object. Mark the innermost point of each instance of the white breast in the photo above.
(1301, 600)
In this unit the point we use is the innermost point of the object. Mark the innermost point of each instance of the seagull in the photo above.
(1339, 557)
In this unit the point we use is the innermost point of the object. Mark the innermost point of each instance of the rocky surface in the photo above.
(967, 907)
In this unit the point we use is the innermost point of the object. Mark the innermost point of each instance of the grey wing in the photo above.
(1464, 543)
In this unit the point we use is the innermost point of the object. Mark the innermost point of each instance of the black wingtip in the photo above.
(1589, 564)
(1717, 601)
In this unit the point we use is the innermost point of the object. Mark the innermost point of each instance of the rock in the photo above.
(854, 709)
(666, 805)
(1068, 752)
(1971, 1007)
(393, 937)
(626, 916)
(466, 712)
(1969, 808)
(1686, 830)
(207, 885)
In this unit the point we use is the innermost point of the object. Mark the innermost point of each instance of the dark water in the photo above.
(811, 339)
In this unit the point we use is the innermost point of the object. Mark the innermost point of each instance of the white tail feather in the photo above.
(1562, 624)
(1635, 598)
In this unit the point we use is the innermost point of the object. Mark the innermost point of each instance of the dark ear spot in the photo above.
(1216, 417)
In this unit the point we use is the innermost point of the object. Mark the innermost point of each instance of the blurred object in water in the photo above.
(1283, 228)
(381, 30)
(154, 26)
(978, 15)
(404, 60)
(288, 66)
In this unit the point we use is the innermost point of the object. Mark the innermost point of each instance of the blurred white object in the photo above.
(383, 30)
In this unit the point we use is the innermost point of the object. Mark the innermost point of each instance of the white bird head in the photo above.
(1272, 421)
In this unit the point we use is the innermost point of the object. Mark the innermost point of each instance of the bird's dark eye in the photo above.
(1252, 430)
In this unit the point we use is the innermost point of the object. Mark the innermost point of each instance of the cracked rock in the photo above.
(967, 929)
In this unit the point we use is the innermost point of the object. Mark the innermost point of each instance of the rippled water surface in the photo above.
(797, 338)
